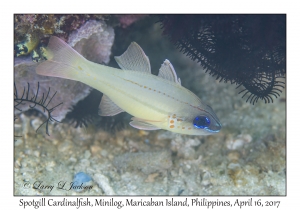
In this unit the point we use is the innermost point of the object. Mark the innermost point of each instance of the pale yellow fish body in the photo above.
(156, 102)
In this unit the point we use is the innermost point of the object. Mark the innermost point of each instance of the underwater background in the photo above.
(247, 157)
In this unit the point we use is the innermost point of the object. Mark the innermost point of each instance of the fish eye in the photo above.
(201, 122)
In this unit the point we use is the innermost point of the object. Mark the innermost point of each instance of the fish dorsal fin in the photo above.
(168, 72)
(134, 59)
(108, 108)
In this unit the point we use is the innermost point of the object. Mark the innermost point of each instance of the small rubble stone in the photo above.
(104, 184)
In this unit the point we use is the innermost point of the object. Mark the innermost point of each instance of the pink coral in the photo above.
(93, 40)
(127, 20)
(69, 91)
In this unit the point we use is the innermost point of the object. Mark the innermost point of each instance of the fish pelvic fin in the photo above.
(143, 124)
(62, 61)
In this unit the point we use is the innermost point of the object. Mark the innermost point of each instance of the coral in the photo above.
(31, 29)
(93, 40)
(127, 20)
(248, 50)
(28, 45)
(69, 92)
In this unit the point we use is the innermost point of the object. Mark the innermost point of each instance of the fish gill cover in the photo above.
(248, 50)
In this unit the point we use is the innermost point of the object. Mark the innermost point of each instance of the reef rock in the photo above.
(93, 40)
(68, 91)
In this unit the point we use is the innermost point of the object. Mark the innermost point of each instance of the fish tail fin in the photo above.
(62, 61)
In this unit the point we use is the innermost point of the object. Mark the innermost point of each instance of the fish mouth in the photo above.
(215, 128)
(219, 126)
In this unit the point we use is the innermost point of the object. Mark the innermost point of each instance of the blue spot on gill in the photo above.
(201, 122)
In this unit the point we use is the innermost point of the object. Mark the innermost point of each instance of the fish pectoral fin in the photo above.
(108, 108)
(142, 125)
(168, 72)
(134, 59)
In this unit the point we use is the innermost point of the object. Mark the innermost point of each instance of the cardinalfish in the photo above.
(155, 102)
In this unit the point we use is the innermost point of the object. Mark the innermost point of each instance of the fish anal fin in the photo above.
(168, 72)
(134, 59)
(108, 108)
